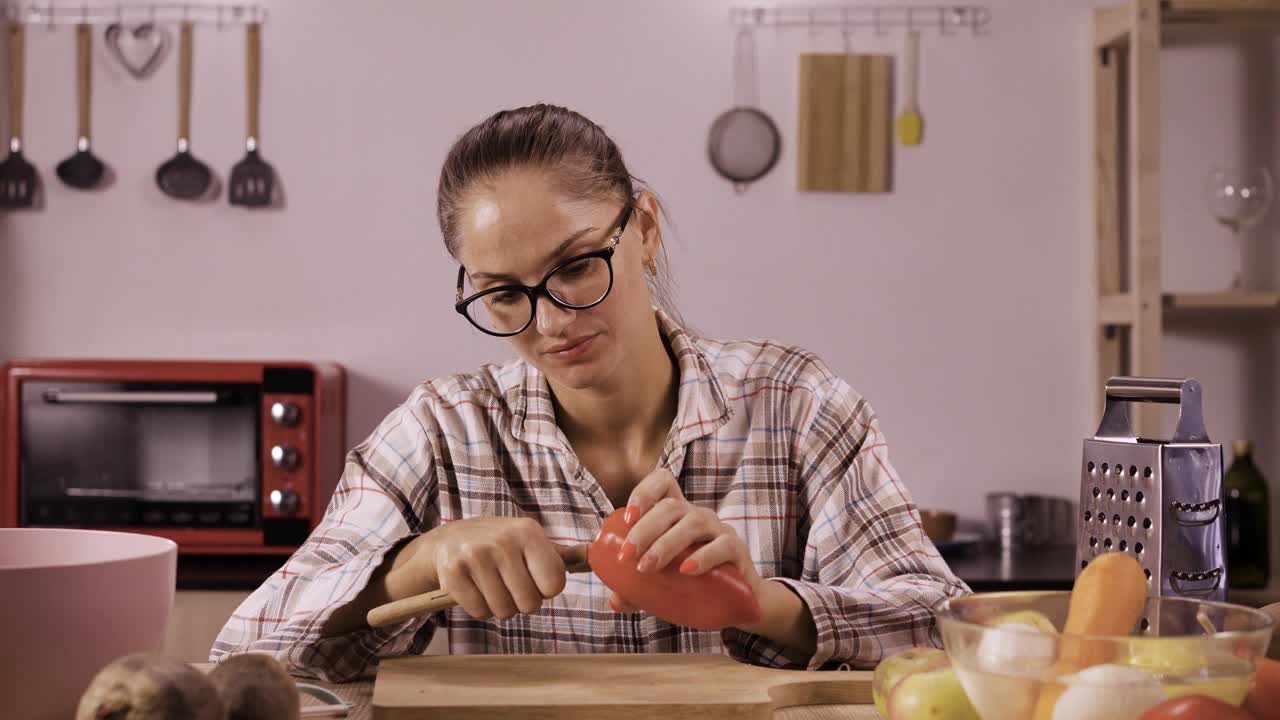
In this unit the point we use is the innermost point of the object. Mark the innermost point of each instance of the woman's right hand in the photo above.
(492, 566)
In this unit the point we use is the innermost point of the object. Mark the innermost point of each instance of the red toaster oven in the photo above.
(219, 456)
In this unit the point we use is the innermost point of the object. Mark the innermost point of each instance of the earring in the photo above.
(652, 267)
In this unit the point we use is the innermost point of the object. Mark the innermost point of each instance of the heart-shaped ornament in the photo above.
(140, 49)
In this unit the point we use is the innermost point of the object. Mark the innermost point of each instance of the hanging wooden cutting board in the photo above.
(590, 687)
(846, 109)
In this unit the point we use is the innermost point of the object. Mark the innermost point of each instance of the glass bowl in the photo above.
(1006, 656)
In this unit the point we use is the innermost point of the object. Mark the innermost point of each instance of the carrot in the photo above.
(1107, 599)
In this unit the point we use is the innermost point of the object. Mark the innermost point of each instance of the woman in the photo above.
(487, 484)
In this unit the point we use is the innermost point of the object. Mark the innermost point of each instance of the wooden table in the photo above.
(360, 695)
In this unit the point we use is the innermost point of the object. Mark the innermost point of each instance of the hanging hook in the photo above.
(846, 30)
(944, 28)
(875, 22)
(84, 13)
(49, 18)
(813, 24)
(911, 23)
(978, 21)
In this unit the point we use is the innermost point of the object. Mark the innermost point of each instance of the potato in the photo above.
(147, 686)
(255, 686)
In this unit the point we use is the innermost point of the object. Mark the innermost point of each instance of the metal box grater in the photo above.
(1158, 501)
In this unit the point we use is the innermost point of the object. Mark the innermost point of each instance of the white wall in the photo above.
(960, 304)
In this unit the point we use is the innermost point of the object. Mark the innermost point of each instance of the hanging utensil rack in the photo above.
(944, 19)
(69, 12)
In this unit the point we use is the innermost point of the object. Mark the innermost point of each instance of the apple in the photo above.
(1168, 656)
(931, 695)
(1035, 619)
(894, 668)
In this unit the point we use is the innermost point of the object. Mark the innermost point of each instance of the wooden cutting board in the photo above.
(597, 687)
(845, 120)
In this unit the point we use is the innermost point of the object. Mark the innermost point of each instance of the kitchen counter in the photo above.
(360, 695)
(986, 569)
(226, 572)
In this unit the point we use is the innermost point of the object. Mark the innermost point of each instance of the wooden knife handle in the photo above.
(411, 607)
(398, 611)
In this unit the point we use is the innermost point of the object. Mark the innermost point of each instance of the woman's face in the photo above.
(520, 226)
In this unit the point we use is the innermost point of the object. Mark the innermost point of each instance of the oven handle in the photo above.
(138, 397)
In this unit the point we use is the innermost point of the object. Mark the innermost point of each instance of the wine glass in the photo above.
(1238, 199)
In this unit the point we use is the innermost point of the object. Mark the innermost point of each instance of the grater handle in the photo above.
(1185, 392)
(1196, 514)
(1182, 582)
(1144, 389)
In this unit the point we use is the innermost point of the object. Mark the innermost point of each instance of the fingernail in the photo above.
(688, 566)
(627, 552)
(614, 606)
(630, 515)
(646, 563)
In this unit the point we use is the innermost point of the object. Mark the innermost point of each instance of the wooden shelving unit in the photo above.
(1131, 300)
(1195, 302)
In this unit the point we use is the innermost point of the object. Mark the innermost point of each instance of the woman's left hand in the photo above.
(663, 523)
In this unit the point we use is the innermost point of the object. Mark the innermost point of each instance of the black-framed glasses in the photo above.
(578, 283)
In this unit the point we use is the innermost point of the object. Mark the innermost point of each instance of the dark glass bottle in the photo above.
(1248, 534)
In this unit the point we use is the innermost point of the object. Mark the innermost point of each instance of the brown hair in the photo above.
(576, 153)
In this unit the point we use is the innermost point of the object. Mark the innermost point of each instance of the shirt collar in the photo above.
(701, 406)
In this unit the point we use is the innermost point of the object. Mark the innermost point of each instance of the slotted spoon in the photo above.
(82, 170)
(183, 176)
(252, 178)
(17, 176)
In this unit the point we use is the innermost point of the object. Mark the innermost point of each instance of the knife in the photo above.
(429, 602)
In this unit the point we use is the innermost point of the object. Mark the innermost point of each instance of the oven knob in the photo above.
(284, 501)
(285, 413)
(284, 457)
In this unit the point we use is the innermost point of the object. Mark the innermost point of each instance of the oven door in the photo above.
(138, 454)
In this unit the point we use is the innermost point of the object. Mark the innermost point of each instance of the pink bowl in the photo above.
(70, 602)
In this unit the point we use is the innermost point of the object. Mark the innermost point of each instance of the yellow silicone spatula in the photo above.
(910, 124)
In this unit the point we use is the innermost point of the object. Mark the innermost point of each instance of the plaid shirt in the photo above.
(784, 451)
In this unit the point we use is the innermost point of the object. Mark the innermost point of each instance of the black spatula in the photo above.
(82, 170)
(17, 176)
(183, 176)
(251, 178)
